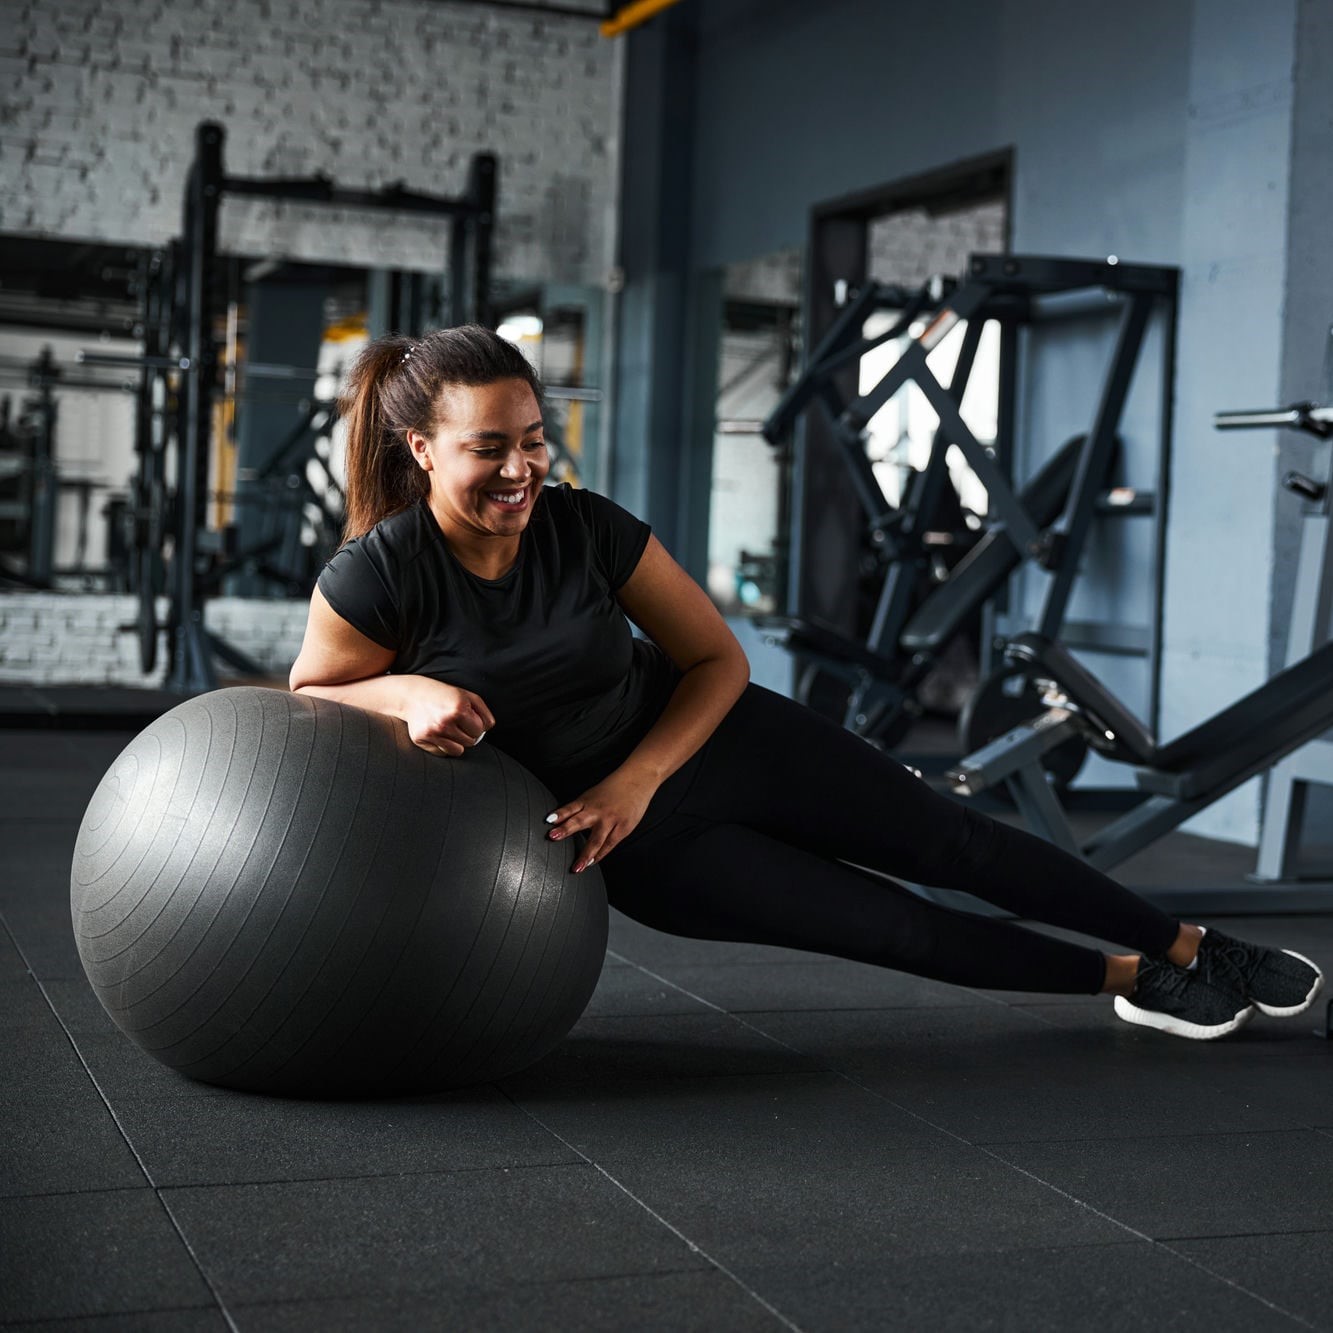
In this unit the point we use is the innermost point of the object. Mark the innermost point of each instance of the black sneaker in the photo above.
(1184, 1003)
(1280, 982)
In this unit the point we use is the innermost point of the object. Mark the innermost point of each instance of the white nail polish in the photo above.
(551, 819)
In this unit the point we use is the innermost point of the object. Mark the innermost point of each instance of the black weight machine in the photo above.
(1045, 522)
(171, 549)
(1279, 724)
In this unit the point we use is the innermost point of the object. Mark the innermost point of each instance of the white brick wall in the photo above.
(911, 246)
(55, 639)
(99, 100)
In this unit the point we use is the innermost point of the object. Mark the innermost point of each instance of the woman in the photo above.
(470, 601)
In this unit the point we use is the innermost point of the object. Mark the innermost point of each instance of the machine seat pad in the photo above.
(1048, 660)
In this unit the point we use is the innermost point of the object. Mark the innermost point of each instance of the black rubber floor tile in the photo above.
(663, 1301)
(240, 1138)
(120, 1069)
(22, 1005)
(69, 1255)
(1042, 1099)
(33, 910)
(624, 990)
(981, 1037)
(1292, 1271)
(1298, 1087)
(1232, 1183)
(641, 944)
(817, 1117)
(38, 920)
(395, 1236)
(666, 1047)
(53, 776)
(825, 983)
(1129, 1286)
(56, 1145)
(78, 1009)
(141, 1321)
(12, 966)
(51, 954)
(38, 1061)
(900, 1197)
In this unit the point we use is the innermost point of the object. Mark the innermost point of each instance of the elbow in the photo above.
(731, 663)
(299, 677)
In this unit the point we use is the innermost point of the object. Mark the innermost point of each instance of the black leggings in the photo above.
(751, 841)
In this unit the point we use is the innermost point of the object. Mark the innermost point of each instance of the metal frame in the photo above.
(1311, 623)
(1013, 290)
(1299, 752)
(180, 347)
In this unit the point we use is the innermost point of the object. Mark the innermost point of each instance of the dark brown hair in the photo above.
(396, 385)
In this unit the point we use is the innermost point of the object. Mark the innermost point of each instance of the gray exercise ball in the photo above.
(283, 894)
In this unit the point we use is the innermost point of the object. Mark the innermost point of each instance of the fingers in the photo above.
(485, 718)
(439, 746)
(578, 818)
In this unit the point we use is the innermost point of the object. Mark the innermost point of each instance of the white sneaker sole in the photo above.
(1305, 1003)
(1179, 1027)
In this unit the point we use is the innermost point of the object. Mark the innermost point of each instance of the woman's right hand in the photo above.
(443, 719)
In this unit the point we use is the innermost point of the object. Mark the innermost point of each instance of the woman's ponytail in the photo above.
(382, 476)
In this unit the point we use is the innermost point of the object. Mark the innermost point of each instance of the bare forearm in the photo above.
(702, 698)
(376, 694)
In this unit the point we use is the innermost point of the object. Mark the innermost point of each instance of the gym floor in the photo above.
(732, 1138)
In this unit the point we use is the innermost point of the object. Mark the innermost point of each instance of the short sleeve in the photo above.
(359, 584)
(618, 538)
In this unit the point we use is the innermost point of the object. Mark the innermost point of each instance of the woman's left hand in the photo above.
(608, 813)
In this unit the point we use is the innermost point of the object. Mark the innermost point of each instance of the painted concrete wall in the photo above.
(99, 100)
(1158, 131)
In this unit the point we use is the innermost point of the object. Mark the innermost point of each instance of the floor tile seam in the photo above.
(815, 960)
(1141, 1137)
(56, 1320)
(1235, 1286)
(1025, 1010)
(1071, 1198)
(1247, 1235)
(657, 1217)
(143, 1167)
(1157, 1138)
(72, 1194)
(1157, 1243)
(503, 1167)
(434, 1288)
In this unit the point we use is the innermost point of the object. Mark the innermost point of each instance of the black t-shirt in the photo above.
(546, 646)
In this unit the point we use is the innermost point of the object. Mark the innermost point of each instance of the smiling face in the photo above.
(486, 461)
